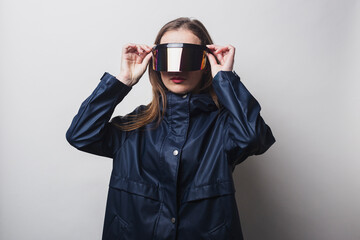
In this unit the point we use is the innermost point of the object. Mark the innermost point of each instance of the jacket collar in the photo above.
(190, 102)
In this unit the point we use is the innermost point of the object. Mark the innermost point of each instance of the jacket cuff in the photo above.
(117, 87)
(225, 74)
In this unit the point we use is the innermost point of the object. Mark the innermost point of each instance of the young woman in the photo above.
(173, 158)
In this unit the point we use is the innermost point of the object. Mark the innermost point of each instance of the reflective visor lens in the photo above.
(178, 57)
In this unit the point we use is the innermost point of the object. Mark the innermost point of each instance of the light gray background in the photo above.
(300, 59)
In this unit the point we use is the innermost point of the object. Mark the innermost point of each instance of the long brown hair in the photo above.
(152, 111)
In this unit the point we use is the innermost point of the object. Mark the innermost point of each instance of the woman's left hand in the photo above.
(225, 55)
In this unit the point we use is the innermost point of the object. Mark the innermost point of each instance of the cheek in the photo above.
(197, 77)
(164, 76)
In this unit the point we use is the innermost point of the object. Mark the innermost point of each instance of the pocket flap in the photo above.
(208, 191)
(139, 188)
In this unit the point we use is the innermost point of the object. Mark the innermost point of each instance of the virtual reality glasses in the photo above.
(178, 57)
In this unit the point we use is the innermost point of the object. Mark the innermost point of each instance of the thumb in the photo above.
(212, 59)
(146, 59)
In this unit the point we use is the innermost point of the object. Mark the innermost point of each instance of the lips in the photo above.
(177, 79)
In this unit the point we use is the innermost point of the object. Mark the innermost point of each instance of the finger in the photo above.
(219, 52)
(145, 51)
(130, 47)
(232, 49)
(222, 49)
(227, 53)
(230, 46)
(213, 47)
(220, 57)
(219, 48)
(147, 58)
(142, 56)
(146, 47)
(227, 48)
(139, 50)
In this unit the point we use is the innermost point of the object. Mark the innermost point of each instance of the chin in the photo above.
(179, 90)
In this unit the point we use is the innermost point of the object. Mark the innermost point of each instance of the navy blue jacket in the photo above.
(174, 181)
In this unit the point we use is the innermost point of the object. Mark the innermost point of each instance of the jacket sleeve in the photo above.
(246, 133)
(90, 130)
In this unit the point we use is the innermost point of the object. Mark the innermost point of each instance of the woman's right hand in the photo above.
(134, 60)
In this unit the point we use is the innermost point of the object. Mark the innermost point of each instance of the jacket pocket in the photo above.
(208, 205)
(116, 227)
(219, 232)
(207, 191)
(136, 205)
(135, 187)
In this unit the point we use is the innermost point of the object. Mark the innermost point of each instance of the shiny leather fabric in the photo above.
(174, 181)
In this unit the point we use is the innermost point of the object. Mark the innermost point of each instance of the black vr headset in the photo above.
(178, 57)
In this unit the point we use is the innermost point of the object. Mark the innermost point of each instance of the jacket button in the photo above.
(173, 220)
(175, 152)
(184, 96)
